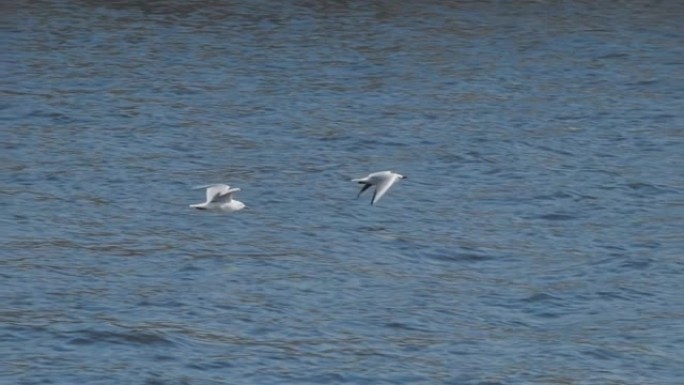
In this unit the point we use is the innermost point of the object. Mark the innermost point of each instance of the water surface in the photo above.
(537, 239)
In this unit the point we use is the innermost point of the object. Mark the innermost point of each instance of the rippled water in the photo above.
(537, 239)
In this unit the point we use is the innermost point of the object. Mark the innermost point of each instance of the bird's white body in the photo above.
(220, 198)
(382, 180)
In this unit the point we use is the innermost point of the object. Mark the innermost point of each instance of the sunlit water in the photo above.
(537, 239)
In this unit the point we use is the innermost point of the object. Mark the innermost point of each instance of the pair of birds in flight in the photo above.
(220, 196)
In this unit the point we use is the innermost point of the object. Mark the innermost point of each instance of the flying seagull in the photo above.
(220, 198)
(382, 180)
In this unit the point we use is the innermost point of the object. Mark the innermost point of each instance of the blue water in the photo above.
(537, 239)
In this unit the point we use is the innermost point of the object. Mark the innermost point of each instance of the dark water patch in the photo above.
(548, 306)
(463, 256)
(650, 189)
(214, 364)
(637, 263)
(164, 358)
(602, 354)
(632, 293)
(402, 326)
(90, 337)
(612, 295)
(541, 297)
(554, 196)
(558, 217)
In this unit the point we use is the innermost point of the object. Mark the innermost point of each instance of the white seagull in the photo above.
(220, 198)
(382, 180)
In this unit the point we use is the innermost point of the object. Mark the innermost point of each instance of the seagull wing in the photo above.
(364, 188)
(215, 191)
(226, 195)
(382, 186)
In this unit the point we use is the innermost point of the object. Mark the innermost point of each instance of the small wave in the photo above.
(89, 337)
(540, 297)
(558, 217)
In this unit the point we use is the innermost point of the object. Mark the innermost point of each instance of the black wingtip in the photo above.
(364, 188)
